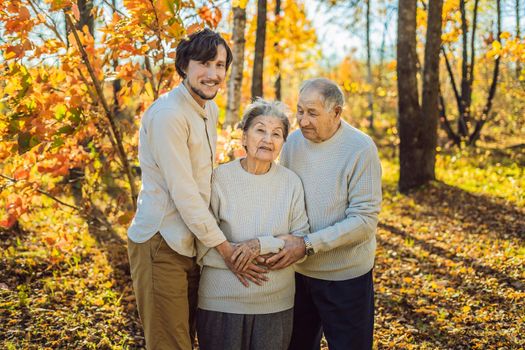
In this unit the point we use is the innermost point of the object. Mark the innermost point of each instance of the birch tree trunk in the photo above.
(369, 68)
(260, 40)
(235, 82)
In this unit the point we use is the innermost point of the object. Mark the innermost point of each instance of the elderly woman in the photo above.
(254, 199)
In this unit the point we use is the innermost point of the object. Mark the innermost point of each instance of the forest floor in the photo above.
(450, 267)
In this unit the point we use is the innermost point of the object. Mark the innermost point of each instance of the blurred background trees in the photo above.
(77, 75)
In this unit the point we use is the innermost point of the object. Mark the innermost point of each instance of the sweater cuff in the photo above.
(317, 242)
(270, 244)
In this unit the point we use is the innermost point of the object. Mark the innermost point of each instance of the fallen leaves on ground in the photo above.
(449, 275)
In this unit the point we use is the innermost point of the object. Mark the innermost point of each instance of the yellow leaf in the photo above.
(504, 35)
(240, 3)
(149, 89)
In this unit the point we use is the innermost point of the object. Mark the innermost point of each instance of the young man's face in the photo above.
(203, 79)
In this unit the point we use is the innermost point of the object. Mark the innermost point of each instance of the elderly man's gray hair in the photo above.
(331, 92)
(269, 108)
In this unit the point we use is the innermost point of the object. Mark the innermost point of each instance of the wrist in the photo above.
(308, 246)
(225, 249)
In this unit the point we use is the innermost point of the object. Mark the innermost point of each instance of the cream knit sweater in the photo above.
(342, 183)
(251, 206)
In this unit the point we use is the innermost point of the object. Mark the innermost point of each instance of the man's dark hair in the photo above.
(200, 46)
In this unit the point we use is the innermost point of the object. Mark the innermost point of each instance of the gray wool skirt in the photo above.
(226, 331)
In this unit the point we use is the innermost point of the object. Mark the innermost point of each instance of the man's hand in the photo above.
(252, 272)
(294, 249)
(245, 252)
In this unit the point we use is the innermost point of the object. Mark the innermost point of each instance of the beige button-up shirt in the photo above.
(176, 151)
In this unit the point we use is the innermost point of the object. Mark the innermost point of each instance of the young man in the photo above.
(176, 152)
(341, 174)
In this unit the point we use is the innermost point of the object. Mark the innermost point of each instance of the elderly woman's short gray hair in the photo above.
(260, 107)
(331, 92)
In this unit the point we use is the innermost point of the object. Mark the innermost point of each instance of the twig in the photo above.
(53, 27)
(78, 209)
(45, 193)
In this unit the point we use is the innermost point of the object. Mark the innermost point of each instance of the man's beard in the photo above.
(201, 94)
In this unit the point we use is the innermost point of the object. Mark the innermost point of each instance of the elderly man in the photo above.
(341, 174)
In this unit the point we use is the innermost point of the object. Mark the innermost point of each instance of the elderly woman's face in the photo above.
(264, 139)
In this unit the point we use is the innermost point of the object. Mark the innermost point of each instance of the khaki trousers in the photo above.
(165, 285)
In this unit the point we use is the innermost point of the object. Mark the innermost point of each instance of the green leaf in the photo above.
(75, 115)
(24, 141)
(60, 112)
(68, 129)
(57, 142)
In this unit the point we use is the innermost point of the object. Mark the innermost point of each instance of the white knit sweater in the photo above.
(342, 183)
(252, 206)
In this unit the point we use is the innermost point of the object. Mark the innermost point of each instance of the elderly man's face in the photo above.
(317, 124)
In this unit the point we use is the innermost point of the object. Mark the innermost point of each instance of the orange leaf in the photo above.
(193, 28)
(76, 12)
(24, 14)
(21, 174)
(9, 222)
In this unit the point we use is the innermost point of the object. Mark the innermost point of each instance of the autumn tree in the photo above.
(58, 110)
(417, 123)
(518, 35)
(237, 67)
(260, 42)
(277, 61)
(354, 9)
(297, 51)
(470, 121)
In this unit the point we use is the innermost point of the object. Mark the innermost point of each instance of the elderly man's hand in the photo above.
(294, 249)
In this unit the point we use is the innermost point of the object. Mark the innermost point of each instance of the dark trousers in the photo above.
(225, 331)
(343, 310)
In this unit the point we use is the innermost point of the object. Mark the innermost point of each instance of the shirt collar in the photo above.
(191, 100)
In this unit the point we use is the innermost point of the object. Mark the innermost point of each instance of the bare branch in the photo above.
(492, 91)
(472, 44)
(45, 193)
(37, 9)
(452, 80)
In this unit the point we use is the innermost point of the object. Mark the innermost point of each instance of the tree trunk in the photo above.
(381, 67)
(235, 82)
(417, 125)
(86, 16)
(465, 93)
(260, 39)
(277, 84)
(117, 86)
(369, 68)
(485, 115)
(408, 105)
(518, 35)
(430, 100)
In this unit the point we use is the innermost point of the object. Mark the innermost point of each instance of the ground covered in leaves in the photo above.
(449, 274)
